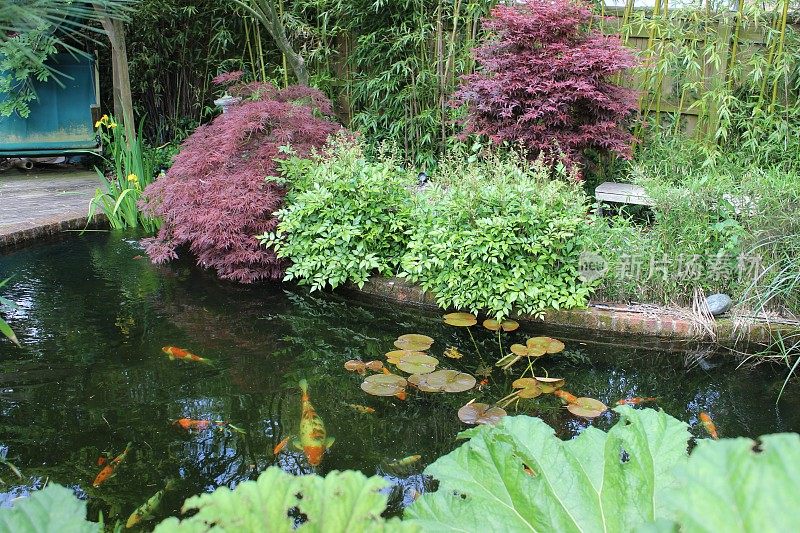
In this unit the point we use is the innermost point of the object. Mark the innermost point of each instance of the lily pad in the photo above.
(413, 342)
(587, 407)
(550, 385)
(417, 363)
(443, 381)
(506, 325)
(519, 349)
(394, 356)
(375, 366)
(383, 384)
(354, 365)
(453, 353)
(545, 345)
(480, 413)
(460, 319)
(529, 388)
(491, 324)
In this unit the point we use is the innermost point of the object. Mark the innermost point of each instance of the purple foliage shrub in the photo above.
(545, 82)
(215, 197)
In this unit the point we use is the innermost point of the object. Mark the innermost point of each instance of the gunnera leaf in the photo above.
(54, 508)
(738, 485)
(339, 502)
(597, 481)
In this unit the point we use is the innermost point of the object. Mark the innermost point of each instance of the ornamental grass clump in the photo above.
(215, 199)
(545, 82)
(499, 234)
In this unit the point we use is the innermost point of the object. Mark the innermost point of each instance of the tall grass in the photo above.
(130, 170)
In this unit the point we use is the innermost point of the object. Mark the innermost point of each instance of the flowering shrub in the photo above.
(345, 218)
(545, 82)
(215, 198)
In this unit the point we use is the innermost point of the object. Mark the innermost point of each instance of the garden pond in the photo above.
(91, 376)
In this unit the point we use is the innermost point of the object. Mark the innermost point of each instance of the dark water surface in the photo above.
(91, 377)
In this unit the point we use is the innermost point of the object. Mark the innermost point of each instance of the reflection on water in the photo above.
(91, 377)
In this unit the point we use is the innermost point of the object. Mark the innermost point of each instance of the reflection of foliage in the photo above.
(51, 509)
(5, 329)
(342, 501)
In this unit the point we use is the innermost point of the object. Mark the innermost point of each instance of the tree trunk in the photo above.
(267, 13)
(123, 101)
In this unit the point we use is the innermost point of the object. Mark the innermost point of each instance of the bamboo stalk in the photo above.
(735, 47)
(779, 54)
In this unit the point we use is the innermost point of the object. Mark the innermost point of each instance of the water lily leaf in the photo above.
(509, 325)
(460, 319)
(375, 366)
(383, 384)
(550, 385)
(576, 485)
(545, 345)
(413, 342)
(519, 349)
(443, 381)
(354, 365)
(417, 363)
(491, 324)
(395, 356)
(529, 387)
(480, 413)
(453, 353)
(587, 407)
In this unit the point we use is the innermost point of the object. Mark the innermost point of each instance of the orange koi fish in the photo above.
(111, 467)
(281, 445)
(101, 460)
(636, 401)
(709, 425)
(564, 395)
(313, 437)
(401, 395)
(179, 353)
(363, 409)
(198, 425)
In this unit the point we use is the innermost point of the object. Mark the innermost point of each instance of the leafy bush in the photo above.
(54, 508)
(546, 82)
(499, 234)
(346, 217)
(215, 199)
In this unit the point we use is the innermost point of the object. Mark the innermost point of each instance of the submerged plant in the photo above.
(215, 198)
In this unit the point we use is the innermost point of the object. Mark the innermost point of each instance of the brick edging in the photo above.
(18, 238)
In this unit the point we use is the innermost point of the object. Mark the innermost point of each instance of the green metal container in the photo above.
(62, 117)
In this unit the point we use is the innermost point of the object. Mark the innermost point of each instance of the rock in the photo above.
(719, 303)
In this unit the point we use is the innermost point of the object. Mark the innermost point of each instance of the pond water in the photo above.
(91, 377)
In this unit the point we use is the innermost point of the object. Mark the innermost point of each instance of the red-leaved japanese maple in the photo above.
(545, 82)
(215, 198)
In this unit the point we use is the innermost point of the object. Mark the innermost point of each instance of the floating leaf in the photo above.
(550, 385)
(544, 345)
(529, 388)
(480, 413)
(395, 356)
(353, 365)
(460, 319)
(519, 349)
(383, 384)
(417, 363)
(587, 407)
(453, 353)
(375, 366)
(413, 342)
(509, 325)
(491, 324)
(506, 325)
(443, 381)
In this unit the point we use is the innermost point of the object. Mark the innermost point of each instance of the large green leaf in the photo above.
(729, 485)
(340, 502)
(53, 509)
(596, 482)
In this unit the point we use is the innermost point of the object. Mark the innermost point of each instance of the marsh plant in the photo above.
(129, 169)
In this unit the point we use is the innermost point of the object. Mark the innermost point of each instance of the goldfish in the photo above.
(146, 510)
(564, 395)
(709, 425)
(405, 461)
(111, 467)
(313, 437)
(281, 445)
(179, 353)
(198, 425)
(401, 395)
(101, 460)
(636, 401)
(363, 409)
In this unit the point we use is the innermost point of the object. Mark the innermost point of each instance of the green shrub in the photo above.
(345, 217)
(499, 234)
